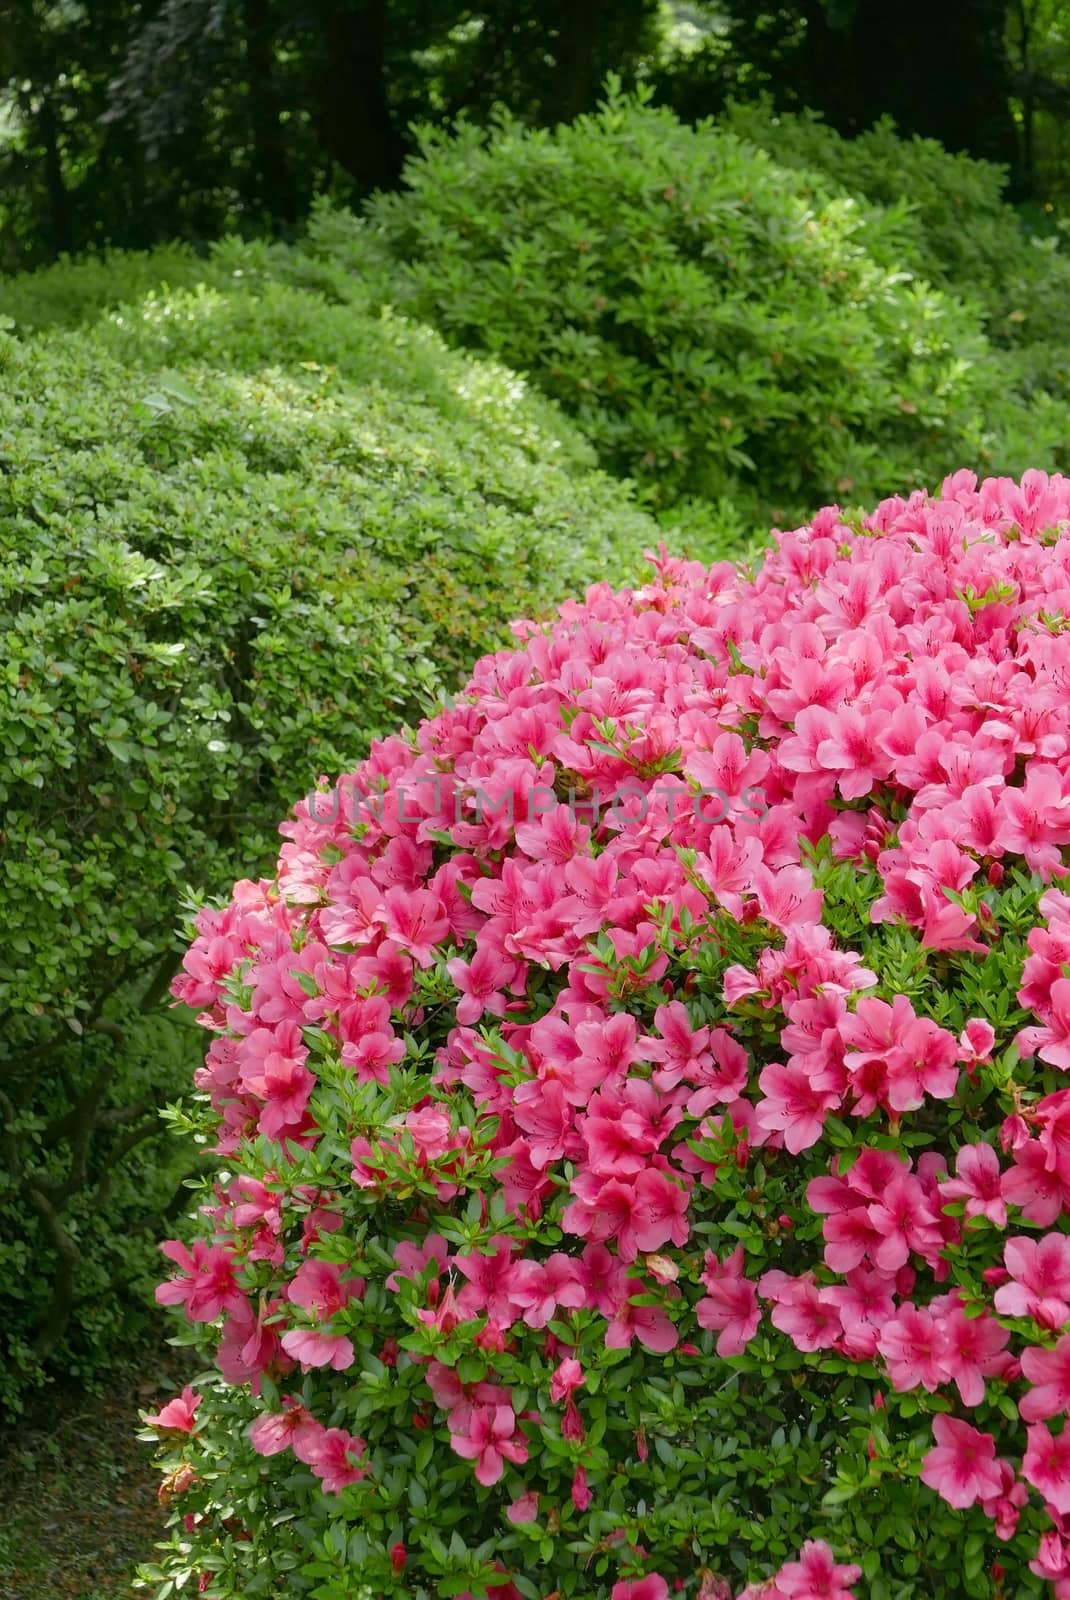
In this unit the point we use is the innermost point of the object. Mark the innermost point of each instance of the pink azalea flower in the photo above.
(525, 1509)
(178, 1415)
(660, 1215)
(864, 1303)
(490, 1439)
(681, 1051)
(815, 1576)
(802, 1311)
(542, 1109)
(537, 1288)
(1040, 1280)
(372, 1056)
(730, 1303)
(1046, 1465)
(1052, 1042)
(653, 1327)
(924, 1062)
(481, 983)
(1052, 1560)
(904, 1223)
(275, 1431)
(330, 1452)
(786, 897)
(973, 1349)
(605, 1280)
(962, 1466)
(1005, 1508)
(567, 1378)
(1049, 1372)
(417, 922)
(274, 1070)
(914, 1347)
(318, 1287)
(314, 1348)
(794, 1105)
(649, 1588)
(978, 1183)
(207, 1285)
(490, 1279)
(1035, 819)
(1038, 1185)
(977, 1039)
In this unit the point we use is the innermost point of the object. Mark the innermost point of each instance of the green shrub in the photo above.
(711, 317)
(240, 534)
(957, 230)
(665, 1193)
(85, 1172)
(72, 293)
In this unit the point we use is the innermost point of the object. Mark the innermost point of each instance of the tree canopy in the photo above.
(126, 122)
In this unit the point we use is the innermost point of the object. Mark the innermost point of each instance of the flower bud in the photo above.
(491, 1338)
(662, 1269)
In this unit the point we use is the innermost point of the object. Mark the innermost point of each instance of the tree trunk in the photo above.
(940, 70)
(60, 218)
(273, 178)
(829, 78)
(351, 94)
(575, 81)
(1027, 176)
(591, 37)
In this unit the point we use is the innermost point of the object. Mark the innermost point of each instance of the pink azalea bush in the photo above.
(639, 1101)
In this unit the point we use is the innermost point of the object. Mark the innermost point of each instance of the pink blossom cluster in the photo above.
(899, 691)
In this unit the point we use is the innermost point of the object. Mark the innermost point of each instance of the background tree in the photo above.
(129, 123)
(1038, 48)
(132, 121)
(940, 71)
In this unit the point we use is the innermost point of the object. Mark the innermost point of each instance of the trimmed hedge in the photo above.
(241, 533)
(72, 293)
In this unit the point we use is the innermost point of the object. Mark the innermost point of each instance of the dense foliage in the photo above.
(242, 531)
(842, 58)
(952, 226)
(638, 1098)
(718, 323)
(131, 122)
